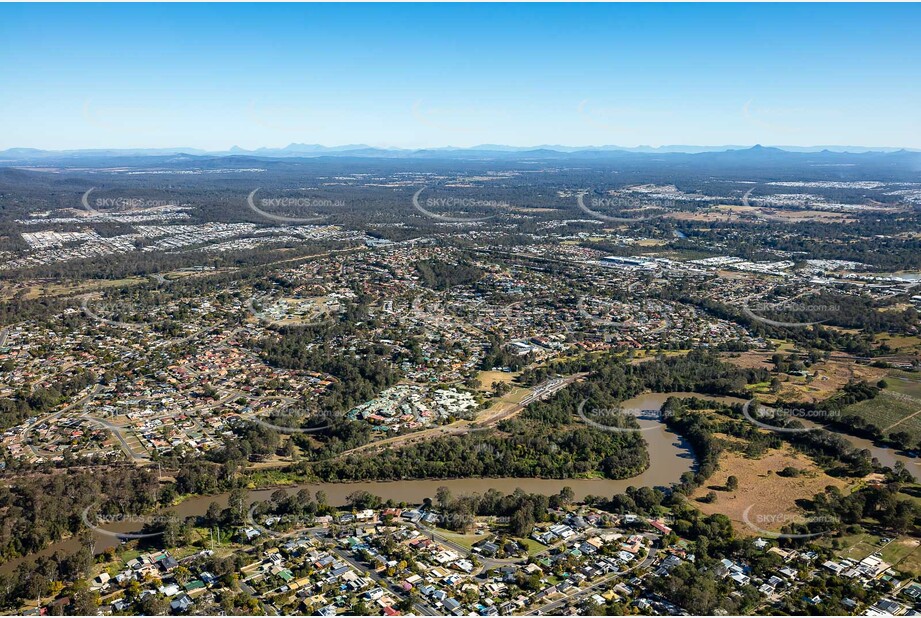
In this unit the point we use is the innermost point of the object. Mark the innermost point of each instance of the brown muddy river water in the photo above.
(669, 458)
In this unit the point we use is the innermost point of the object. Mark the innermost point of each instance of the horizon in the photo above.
(486, 147)
(151, 76)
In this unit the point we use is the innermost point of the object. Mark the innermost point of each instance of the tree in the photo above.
(567, 496)
(732, 483)
(213, 515)
(522, 521)
(151, 605)
(443, 497)
(172, 530)
(133, 590)
(709, 498)
(182, 574)
(775, 384)
(237, 503)
(83, 601)
(902, 439)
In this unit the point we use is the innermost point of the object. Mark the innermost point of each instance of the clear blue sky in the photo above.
(418, 75)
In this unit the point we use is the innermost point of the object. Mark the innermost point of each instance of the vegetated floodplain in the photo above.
(540, 400)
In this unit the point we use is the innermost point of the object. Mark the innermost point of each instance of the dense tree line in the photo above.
(876, 240)
(522, 448)
(698, 430)
(441, 275)
(360, 375)
(834, 413)
(703, 592)
(249, 441)
(878, 503)
(519, 509)
(43, 508)
(699, 371)
(341, 434)
(814, 337)
(549, 439)
(61, 573)
(830, 450)
(498, 355)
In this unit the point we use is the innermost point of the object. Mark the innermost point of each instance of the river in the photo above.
(669, 457)
(885, 455)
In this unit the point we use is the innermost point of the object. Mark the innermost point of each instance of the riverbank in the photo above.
(670, 456)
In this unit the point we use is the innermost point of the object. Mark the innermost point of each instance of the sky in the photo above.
(429, 75)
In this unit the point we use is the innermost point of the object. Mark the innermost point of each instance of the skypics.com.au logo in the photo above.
(620, 420)
(753, 311)
(106, 524)
(293, 420)
(115, 322)
(120, 203)
(465, 204)
(289, 204)
(791, 526)
(623, 204)
(784, 415)
(139, 319)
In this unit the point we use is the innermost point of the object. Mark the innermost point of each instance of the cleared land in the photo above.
(772, 498)
(487, 378)
(43, 289)
(828, 376)
(905, 383)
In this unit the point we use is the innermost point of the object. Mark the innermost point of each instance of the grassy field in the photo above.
(487, 378)
(829, 376)
(44, 289)
(466, 541)
(904, 383)
(899, 343)
(771, 498)
(903, 553)
(890, 413)
(533, 546)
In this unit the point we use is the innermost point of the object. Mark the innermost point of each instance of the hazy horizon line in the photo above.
(481, 146)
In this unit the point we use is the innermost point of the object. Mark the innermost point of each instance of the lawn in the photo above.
(486, 378)
(901, 344)
(904, 554)
(858, 546)
(464, 540)
(533, 546)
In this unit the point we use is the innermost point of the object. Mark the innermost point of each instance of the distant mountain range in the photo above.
(484, 151)
(778, 163)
